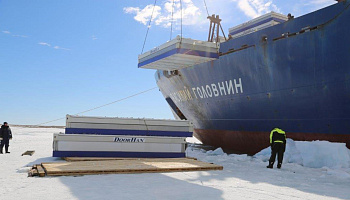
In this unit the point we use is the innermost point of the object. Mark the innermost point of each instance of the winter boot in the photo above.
(7, 149)
(279, 165)
(270, 165)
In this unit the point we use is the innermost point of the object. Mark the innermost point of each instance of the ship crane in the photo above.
(214, 24)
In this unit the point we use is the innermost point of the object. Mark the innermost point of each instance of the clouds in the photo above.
(61, 48)
(39, 43)
(44, 44)
(162, 15)
(319, 3)
(55, 47)
(143, 15)
(299, 7)
(255, 8)
(9, 33)
(194, 13)
(22, 36)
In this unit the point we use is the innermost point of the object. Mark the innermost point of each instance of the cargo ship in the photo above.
(273, 71)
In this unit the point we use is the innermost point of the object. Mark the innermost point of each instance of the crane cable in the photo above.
(172, 19)
(181, 24)
(206, 8)
(205, 4)
(181, 17)
(149, 25)
(107, 104)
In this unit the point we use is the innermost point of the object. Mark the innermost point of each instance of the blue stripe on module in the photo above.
(117, 154)
(179, 51)
(127, 132)
(254, 25)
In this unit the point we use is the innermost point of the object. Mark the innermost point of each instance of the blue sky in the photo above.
(64, 57)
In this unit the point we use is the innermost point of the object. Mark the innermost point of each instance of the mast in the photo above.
(215, 24)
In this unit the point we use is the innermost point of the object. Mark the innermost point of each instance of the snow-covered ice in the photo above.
(314, 154)
(311, 170)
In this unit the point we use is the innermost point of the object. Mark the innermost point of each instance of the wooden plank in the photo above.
(33, 172)
(75, 159)
(127, 166)
(30, 153)
(41, 171)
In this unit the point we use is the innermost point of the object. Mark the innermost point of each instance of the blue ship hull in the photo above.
(294, 75)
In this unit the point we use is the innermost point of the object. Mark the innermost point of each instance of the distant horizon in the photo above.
(34, 126)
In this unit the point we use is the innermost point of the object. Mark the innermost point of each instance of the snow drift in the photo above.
(315, 154)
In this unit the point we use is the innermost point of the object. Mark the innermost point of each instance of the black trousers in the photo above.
(5, 142)
(277, 148)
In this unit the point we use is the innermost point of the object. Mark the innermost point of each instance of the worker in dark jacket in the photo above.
(278, 146)
(5, 137)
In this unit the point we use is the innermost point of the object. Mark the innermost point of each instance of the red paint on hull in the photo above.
(253, 142)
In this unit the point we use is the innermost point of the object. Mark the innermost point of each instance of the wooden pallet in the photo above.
(154, 165)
